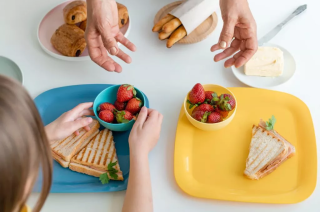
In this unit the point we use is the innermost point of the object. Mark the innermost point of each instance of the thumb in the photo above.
(79, 123)
(227, 33)
(109, 41)
(142, 116)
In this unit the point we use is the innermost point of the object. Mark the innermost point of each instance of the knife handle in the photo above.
(294, 14)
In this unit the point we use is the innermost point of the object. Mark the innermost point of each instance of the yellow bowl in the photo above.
(214, 126)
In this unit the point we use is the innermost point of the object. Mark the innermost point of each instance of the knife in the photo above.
(277, 29)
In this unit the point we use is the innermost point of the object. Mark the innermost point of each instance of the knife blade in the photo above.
(277, 29)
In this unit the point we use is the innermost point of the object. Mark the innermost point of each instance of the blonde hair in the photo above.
(24, 148)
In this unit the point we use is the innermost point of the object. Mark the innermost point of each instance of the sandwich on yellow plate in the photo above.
(63, 150)
(268, 150)
(98, 158)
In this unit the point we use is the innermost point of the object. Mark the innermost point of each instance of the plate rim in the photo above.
(21, 72)
(268, 87)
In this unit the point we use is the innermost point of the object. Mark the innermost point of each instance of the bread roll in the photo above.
(69, 40)
(123, 15)
(176, 36)
(171, 25)
(75, 12)
(164, 35)
(157, 27)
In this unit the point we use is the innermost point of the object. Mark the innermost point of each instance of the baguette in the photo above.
(157, 27)
(171, 25)
(176, 36)
(164, 35)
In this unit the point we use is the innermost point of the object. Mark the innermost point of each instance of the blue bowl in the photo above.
(110, 95)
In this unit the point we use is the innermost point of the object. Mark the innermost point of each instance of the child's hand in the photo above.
(70, 122)
(145, 132)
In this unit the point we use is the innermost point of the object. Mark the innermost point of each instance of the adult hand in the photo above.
(70, 122)
(145, 132)
(102, 34)
(238, 23)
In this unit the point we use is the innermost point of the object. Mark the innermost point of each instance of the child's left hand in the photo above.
(70, 122)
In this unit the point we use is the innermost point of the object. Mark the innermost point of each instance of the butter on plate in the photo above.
(266, 62)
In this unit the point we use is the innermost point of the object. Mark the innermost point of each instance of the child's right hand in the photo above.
(145, 132)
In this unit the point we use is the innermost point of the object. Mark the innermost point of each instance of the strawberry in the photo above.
(125, 93)
(214, 117)
(211, 97)
(224, 114)
(134, 105)
(204, 108)
(196, 95)
(199, 116)
(120, 105)
(107, 116)
(123, 116)
(105, 106)
(226, 102)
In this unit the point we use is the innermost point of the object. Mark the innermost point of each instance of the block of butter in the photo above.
(266, 62)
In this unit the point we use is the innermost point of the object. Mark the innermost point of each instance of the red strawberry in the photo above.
(199, 116)
(227, 102)
(120, 105)
(107, 116)
(134, 105)
(224, 114)
(123, 116)
(214, 117)
(105, 106)
(125, 93)
(196, 95)
(212, 97)
(203, 108)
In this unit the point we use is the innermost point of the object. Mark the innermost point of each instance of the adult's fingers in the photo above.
(98, 54)
(123, 56)
(215, 47)
(79, 123)
(235, 45)
(227, 33)
(108, 39)
(230, 62)
(142, 117)
(244, 57)
(124, 41)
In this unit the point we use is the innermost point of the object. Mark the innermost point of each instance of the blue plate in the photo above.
(51, 104)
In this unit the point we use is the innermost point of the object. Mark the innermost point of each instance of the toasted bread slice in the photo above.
(97, 155)
(63, 150)
(268, 150)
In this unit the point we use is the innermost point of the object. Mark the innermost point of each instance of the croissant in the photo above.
(69, 40)
(75, 12)
(123, 15)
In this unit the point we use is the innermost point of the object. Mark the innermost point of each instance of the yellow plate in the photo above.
(211, 164)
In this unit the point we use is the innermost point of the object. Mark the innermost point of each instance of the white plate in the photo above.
(52, 21)
(268, 82)
(10, 69)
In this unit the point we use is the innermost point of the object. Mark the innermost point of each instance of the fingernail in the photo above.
(143, 109)
(113, 51)
(223, 44)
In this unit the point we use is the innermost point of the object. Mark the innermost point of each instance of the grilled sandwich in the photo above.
(268, 150)
(98, 158)
(63, 150)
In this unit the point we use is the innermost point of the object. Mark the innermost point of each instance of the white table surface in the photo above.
(165, 75)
